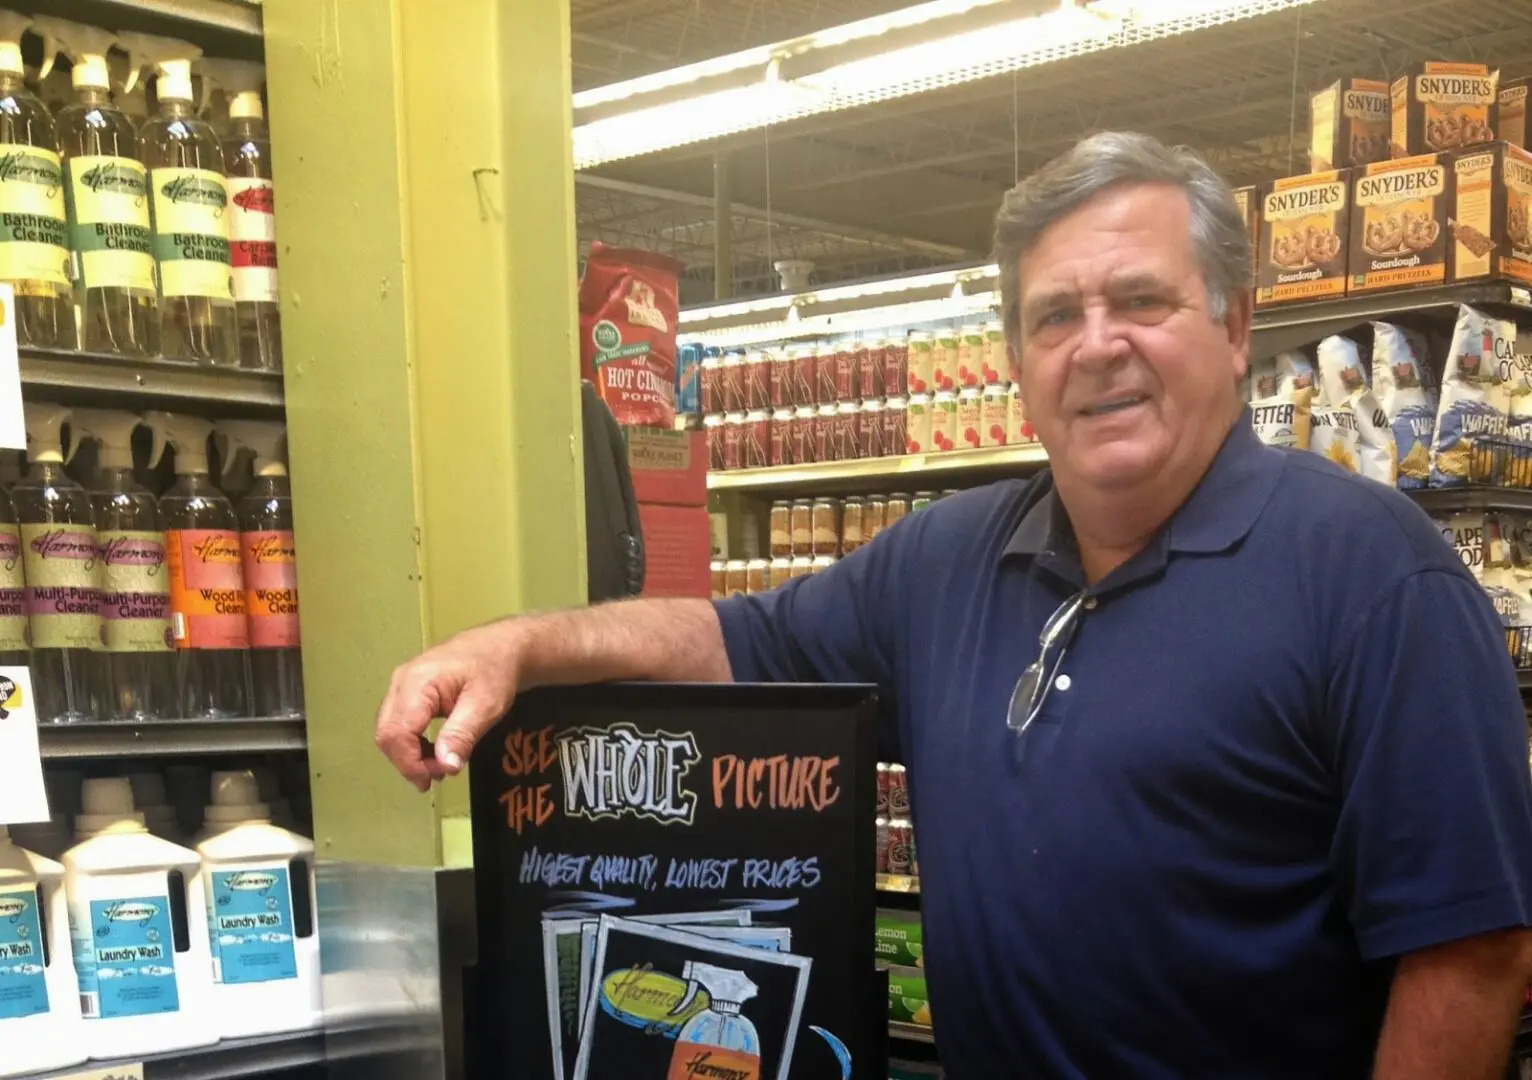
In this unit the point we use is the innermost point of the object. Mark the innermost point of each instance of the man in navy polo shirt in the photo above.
(1217, 758)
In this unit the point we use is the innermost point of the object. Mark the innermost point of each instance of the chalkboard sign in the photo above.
(676, 883)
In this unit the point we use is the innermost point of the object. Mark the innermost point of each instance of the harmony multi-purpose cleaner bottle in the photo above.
(107, 191)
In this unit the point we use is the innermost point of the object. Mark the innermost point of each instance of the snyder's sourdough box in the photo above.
(1304, 224)
(1492, 214)
(1442, 106)
(1248, 200)
(1349, 124)
(1399, 212)
(1512, 122)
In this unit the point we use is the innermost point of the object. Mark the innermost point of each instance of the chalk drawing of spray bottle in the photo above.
(718, 1041)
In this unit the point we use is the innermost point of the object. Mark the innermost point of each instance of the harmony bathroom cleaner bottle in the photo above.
(14, 648)
(58, 549)
(259, 881)
(268, 556)
(135, 668)
(252, 220)
(718, 1036)
(138, 925)
(207, 587)
(39, 998)
(107, 192)
(190, 201)
(34, 247)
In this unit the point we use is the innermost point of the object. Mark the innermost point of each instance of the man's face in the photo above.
(1122, 370)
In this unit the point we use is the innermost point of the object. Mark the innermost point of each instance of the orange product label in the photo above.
(696, 1061)
(207, 589)
(271, 588)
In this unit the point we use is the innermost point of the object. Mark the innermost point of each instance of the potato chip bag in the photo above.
(1402, 384)
(1377, 457)
(1473, 402)
(1467, 533)
(1283, 419)
(1333, 435)
(1341, 372)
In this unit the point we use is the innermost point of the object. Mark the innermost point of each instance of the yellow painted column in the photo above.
(425, 212)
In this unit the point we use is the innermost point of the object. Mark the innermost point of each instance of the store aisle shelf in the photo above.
(179, 737)
(89, 378)
(1454, 500)
(261, 1056)
(910, 1032)
(1294, 325)
(204, 22)
(909, 471)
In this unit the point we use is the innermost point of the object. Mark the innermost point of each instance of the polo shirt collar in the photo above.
(1218, 514)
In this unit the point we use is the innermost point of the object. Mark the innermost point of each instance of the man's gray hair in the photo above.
(1107, 160)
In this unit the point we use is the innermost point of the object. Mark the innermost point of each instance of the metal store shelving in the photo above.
(68, 377)
(1292, 326)
(910, 1032)
(845, 477)
(107, 739)
(223, 27)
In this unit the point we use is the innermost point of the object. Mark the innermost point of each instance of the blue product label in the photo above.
(250, 926)
(23, 988)
(689, 378)
(129, 966)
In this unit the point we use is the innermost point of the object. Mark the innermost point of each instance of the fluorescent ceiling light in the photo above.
(790, 305)
(967, 44)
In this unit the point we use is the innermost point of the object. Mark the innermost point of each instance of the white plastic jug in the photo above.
(39, 998)
(259, 882)
(138, 923)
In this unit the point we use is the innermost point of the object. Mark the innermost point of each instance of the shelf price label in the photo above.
(134, 1071)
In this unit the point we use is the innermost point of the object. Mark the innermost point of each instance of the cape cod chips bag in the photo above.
(1466, 533)
(1341, 373)
(1402, 384)
(1295, 371)
(1332, 435)
(1473, 404)
(1515, 463)
(1281, 394)
(1376, 457)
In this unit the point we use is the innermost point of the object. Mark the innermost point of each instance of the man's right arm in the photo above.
(472, 678)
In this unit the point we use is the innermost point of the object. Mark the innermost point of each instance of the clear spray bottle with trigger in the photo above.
(207, 588)
(270, 566)
(718, 1036)
(135, 671)
(190, 202)
(60, 557)
(252, 220)
(107, 192)
(33, 258)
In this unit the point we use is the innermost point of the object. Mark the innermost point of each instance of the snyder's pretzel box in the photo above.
(1304, 225)
(1248, 200)
(1443, 106)
(1491, 221)
(1512, 122)
(1349, 124)
(1399, 213)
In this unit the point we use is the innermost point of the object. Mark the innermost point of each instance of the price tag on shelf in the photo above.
(13, 426)
(134, 1071)
(22, 797)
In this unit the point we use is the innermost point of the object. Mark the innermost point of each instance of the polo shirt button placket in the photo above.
(1090, 603)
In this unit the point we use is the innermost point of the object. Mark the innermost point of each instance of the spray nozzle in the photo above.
(86, 47)
(170, 58)
(186, 435)
(262, 438)
(45, 438)
(240, 81)
(727, 988)
(111, 429)
(12, 25)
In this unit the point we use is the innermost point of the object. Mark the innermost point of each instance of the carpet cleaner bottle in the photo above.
(58, 548)
(252, 220)
(190, 201)
(107, 192)
(259, 881)
(39, 998)
(138, 923)
(718, 1035)
(14, 648)
(268, 556)
(135, 668)
(207, 586)
(34, 247)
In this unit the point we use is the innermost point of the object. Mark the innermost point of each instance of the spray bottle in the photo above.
(726, 1040)
(58, 549)
(107, 191)
(34, 254)
(136, 667)
(252, 224)
(190, 202)
(39, 998)
(207, 587)
(270, 568)
(15, 651)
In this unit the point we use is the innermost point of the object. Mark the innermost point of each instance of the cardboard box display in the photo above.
(677, 551)
(1442, 106)
(1399, 214)
(1491, 222)
(668, 467)
(1349, 124)
(1303, 239)
(1248, 200)
(1511, 125)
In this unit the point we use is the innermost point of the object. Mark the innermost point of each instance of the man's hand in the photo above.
(471, 679)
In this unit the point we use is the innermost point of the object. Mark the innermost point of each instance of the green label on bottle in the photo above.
(109, 222)
(13, 592)
(135, 592)
(191, 233)
(34, 255)
(63, 590)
